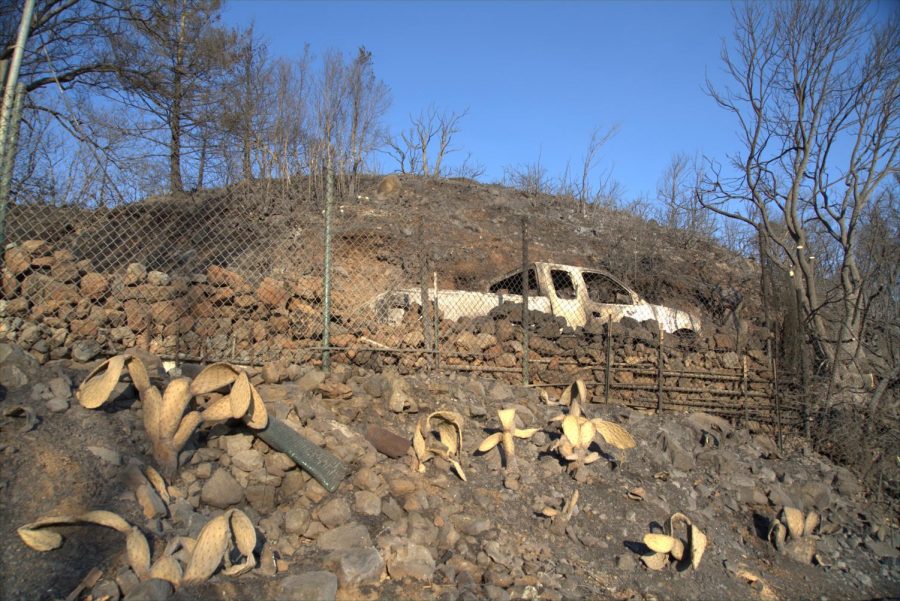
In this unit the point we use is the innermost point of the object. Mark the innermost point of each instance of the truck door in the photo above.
(608, 298)
(566, 292)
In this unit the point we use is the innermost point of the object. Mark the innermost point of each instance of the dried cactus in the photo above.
(572, 398)
(686, 551)
(165, 421)
(441, 439)
(559, 519)
(242, 401)
(230, 530)
(579, 432)
(791, 533)
(507, 436)
(36, 535)
(574, 393)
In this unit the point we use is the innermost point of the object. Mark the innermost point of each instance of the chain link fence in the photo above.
(435, 277)
(240, 275)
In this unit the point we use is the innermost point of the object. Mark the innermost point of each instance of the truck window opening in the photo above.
(601, 289)
(562, 282)
(513, 284)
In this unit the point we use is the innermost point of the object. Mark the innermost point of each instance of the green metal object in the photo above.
(327, 469)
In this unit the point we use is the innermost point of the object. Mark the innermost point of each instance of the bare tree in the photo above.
(599, 139)
(532, 178)
(400, 149)
(468, 169)
(330, 114)
(813, 90)
(369, 101)
(243, 114)
(66, 58)
(170, 64)
(426, 144)
(281, 133)
(67, 48)
(679, 191)
(672, 188)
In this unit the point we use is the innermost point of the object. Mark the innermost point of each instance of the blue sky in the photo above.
(537, 77)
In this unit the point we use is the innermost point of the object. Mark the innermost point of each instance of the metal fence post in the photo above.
(11, 96)
(525, 326)
(326, 306)
(8, 158)
(436, 320)
(427, 325)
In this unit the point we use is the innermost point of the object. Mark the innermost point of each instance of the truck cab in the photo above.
(580, 295)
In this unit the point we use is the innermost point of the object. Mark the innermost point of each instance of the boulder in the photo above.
(221, 490)
(318, 586)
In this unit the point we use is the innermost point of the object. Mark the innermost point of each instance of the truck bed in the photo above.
(453, 304)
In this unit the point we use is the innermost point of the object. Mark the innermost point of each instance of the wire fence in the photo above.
(261, 273)
(239, 275)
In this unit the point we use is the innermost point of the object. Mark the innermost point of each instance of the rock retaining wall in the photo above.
(56, 306)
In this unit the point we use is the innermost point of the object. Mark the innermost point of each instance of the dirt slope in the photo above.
(390, 531)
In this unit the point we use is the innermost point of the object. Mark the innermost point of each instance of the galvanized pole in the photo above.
(10, 93)
(8, 159)
(326, 309)
(435, 315)
(427, 325)
(525, 326)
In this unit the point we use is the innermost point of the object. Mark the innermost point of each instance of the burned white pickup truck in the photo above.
(577, 294)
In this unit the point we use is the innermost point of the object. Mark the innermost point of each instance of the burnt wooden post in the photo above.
(744, 390)
(659, 371)
(608, 367)
(525, 328)
(774, 369)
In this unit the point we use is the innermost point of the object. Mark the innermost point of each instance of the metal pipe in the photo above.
(6, 109)
(326, 283)
(322, 465)
(423, 287)
(436, 323)
(8, 159)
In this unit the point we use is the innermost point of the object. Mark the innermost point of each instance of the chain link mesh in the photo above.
(238, 275)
